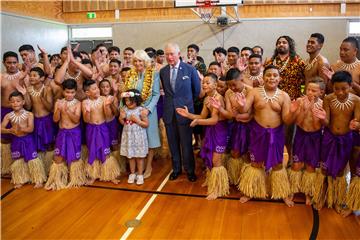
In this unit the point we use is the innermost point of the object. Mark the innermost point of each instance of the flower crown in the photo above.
(129, 94)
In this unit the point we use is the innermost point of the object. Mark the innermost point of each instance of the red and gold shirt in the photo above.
(291, 73)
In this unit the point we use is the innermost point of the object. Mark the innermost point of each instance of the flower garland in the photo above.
(133, 78)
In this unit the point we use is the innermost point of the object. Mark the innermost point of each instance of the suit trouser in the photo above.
(180, 142)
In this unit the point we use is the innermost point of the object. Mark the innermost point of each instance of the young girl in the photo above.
(134, 144)
(214, 143)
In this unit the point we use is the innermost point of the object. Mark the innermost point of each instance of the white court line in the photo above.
(146, 207)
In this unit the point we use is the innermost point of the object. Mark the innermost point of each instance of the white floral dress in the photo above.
(134, 143)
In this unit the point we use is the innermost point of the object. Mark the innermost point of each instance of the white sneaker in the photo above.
(139, 179)
(131, 178)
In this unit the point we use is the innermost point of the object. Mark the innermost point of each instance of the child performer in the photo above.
(271, 108)
(67, 151)
(307, 143)
(96, 110)
(214, 143)
(239, 136)
(340, 107)
(39, 96)
(113, 123)
(26, 166)
(134, 143)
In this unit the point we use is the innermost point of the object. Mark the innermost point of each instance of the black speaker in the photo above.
(222, 21)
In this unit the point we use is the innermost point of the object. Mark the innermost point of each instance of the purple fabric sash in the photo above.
(23, 147)
(113, 127)
(68, 144)
(44, 132)
(336, 152)
(4, 111)
(239, 137)
(307, 147)
(214, 141)
(97, 141)
(266, 144)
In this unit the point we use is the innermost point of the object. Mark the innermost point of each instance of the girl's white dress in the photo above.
(134, 143)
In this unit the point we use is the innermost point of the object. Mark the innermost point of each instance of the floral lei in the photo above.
(133, 77)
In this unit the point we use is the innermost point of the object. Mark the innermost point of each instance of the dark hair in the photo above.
(159, 52)
(211, 75)
(200, 59)
(257, 46)
(125, 69)
(99, 46)
(136, 98)
(292, 51)
(26, 47)
(129, 49)
(69, 84)
(115, 61)
(150, 49)
(87, 84)
(114, 49)
(86, 61)
(214, 63)
(255, 56)
(320, 38)
(222, 78)
(150, 54)
(10, 54)
(53, 56)
(16, 93)
(247, 49)
(234, 50)
(63, 49)
(194, 46)
(270, 66)
(319, 81)
(353, 41)
(38, 70)
(341, 76)
(232, 74)
(219, 50)
(76, 55)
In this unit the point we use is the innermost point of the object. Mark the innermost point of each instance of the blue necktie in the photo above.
(173, 78)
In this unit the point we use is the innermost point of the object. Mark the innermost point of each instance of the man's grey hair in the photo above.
(173, 46)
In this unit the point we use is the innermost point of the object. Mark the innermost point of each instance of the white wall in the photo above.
(17, 30)
(248, 33)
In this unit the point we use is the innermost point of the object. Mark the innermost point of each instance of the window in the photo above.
(354, 28)
(91, 32)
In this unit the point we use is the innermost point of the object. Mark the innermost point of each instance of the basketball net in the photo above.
(205, 9)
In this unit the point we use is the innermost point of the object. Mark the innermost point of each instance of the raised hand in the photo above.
(21, 89)
(76, 49)
(327, 72)
(241, 64)
(87, 106)
(59, 104)
(214, 103)
(354, 124)
(240, 99)
(42, 50)
(320, 113)
(183, 111)
(194, 122)
(108, 100)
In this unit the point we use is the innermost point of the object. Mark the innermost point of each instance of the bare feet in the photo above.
(346, 212)
(291, 197)
(18, 185)
(50, 187)
(212, 196)
(38, 185)
(244, 199)
(115, 181)
(288, 202)
(90, 182)
(308, 200)
(147, 173)
(338, 208)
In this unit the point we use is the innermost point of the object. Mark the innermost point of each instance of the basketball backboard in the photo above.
(213, 3)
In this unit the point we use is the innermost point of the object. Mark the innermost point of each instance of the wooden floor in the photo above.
(179, 211)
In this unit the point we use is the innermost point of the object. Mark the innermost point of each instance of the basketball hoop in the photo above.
(205, 9)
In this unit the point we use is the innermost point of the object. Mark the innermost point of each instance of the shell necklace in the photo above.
(76, 78)
(342, 105)
(95, 103)
(12, 77)
(284, 64)
(308, 64)
(16, 119)
(267, 99)
(34, 92)
(349, 66)
(71, 103)
(255, 78)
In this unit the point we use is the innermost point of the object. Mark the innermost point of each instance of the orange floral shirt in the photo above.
(292, 75)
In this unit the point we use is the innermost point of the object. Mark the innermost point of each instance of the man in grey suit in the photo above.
(181, 85)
